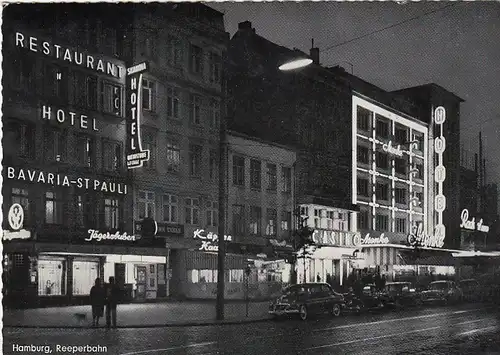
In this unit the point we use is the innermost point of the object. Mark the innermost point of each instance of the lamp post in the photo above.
(221, 253)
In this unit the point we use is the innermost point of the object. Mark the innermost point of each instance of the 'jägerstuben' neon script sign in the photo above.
(135, 155)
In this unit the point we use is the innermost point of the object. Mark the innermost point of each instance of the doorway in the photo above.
(141, 283)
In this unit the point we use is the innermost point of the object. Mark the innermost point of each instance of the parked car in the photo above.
(402, 294)
(443, 292)
(306, 300)
(471, 290)
(369, 299)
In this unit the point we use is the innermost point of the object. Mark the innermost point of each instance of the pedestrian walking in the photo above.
(97, 298)
(112, 297)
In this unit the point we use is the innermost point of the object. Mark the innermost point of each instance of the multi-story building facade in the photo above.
(63, 148)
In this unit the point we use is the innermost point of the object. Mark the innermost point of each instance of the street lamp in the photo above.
(295, 64)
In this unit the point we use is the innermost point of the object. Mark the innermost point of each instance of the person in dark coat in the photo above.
(112, 298)
(97, 301)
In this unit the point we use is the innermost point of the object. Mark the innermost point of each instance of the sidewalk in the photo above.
(138, 315)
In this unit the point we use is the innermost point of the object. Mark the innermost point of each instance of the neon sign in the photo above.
(440, 174)
(98, 236)
(389, 148)
(15, 217)
(208, 240)
(471, 224)
(382, 239)
(62, 116)
(136, 156)
(56, 179)
(418, 237)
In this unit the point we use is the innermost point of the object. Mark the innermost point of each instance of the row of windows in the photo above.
(383, 128)
(20, 140)
(383, 161)
(271, 179)
(210, 276)
(56, 203)
(176, 52)
(382, 192)
(327, 219)
(382, 222)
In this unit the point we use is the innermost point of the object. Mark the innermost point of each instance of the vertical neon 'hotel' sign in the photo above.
(136, 156)
(440, 172)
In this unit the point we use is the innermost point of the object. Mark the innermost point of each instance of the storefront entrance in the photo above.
(141, 283)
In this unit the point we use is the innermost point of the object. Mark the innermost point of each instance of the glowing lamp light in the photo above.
(295, 64)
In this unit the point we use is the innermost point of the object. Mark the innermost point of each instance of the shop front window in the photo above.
(84, 275)
(235, 275)
(51, 277)
(202, 276)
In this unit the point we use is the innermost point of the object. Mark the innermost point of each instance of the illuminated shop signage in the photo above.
(417, 237)
(471, 224)
(67, 117)
(135, 155)
(49, 49)
(208, 240)
(15, 217)
(440, 175)
(101, 236)
(330, 238)
(55, 179)
(389, 148)
(368, 240)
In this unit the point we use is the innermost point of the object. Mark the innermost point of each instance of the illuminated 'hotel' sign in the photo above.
(135, 155)
(440, 173)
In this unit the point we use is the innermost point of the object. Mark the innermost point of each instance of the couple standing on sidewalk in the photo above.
(100, 296)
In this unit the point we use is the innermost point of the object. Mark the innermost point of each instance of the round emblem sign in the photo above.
(16, 216)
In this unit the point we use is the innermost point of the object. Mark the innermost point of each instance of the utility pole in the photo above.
(221, 254)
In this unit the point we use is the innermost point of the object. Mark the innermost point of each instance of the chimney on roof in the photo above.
(245, 26)
(314, 53)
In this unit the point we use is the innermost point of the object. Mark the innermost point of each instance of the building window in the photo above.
(150, 44)
(19, 139)
(213, 164)
(212, 213)
(111, 96)
(400, 194)
(54, 207)
(238, 170)
(382, 191)
(400, 166)
(21, 197)
(85, 90)
(195, 109)
(364, 118)
(196, 60)
(170, 208)
(215, 68)
(149, 143)
(255, 220)
(419, 144)
(83, 212)
(55, 145)
(214, 114)
(146, 205)
(420, 198)
(148, 95)
(271, 220)
(383, 127)
(382, 160)
(173, 103)
(363, 219)
(286, 222)
(400, 225)
(85, 151)
(174, 52)
(109, 41)
(363, 187)
(192, 210)
(255, 174)
(363, 154)
(287, 179)
(194, 160)
(173, 157)
(112, 156)
(55, 82)
(111, 213)
(238, 219)
(382, 223)
(420, 171)
(24, 74)
(271, 177)
(401, 135)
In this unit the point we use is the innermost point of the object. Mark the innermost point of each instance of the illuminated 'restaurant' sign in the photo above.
(472, 224)
(135, 155)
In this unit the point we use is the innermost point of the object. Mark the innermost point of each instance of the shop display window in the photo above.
(235, 275)
(52, 277)
(84, 275)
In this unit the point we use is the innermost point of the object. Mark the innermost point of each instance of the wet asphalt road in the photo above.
(432, 330)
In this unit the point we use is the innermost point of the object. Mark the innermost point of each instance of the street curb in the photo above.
(145, 326)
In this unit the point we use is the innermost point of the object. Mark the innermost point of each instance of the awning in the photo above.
(431, 258)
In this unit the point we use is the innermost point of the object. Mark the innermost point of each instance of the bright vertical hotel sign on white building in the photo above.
(440, 172)
(136, 156)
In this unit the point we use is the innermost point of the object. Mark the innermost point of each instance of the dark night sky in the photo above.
(457, 48)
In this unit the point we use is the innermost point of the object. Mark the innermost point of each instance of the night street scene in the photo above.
(251, 178)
